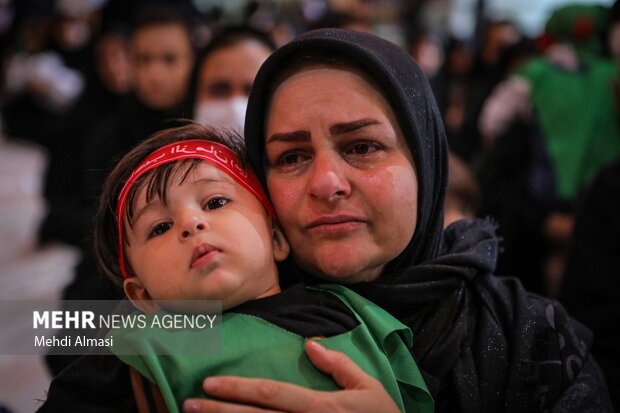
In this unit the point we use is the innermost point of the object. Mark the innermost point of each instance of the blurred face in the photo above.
(429, 55)
(211, 240)
(229, 72)
(498, 37)
(113, 63)
(72, 33)
(340, 174)
(614, 40)
(162, 59)
(225, 80)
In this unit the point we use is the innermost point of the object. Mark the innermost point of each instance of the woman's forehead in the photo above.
(329, 83)
(327, 95)
(319, 71)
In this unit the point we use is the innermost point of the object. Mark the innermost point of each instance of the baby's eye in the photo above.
(216, 203)
(160, 229)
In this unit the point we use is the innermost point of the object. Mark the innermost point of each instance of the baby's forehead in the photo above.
(204, 172)
(158, 185)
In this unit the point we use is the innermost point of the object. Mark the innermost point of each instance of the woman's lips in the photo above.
(203, 254)
(336, 224)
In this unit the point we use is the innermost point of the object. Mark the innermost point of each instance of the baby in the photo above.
(182, 218)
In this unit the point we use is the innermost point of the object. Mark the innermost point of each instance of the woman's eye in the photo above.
(362, 149)
(290, 159)
(160, 229)
(216, 203)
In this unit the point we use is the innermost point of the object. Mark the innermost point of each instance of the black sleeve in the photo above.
(570, 378)
(588, 393)
(590, 286)
(92, 384)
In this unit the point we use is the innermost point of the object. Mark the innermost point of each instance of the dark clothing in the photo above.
(70, 211)
(506, 174)
(26, 118)
(590, 286)
(91, 384)
(466, 143)
(484, 343)
(113, 137)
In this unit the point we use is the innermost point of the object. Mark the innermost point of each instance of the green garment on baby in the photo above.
(253, 347)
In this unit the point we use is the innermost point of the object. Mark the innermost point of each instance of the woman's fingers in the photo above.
(212, 406)
(362, 393)
(345, 372)
(276, 395)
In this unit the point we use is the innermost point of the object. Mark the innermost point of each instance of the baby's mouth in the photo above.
(203, 254)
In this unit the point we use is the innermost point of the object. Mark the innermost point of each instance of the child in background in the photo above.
(182, 218)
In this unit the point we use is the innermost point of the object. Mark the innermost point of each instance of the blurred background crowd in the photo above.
(528, 92)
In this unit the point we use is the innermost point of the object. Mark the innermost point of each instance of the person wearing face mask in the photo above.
(225, 74)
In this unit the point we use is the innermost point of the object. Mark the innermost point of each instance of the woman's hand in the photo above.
(361, 392)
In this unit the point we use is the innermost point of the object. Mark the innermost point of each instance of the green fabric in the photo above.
(577, 116)
(253, 347)
(581, 25)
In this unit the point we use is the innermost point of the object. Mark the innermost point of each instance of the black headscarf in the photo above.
(482, 343)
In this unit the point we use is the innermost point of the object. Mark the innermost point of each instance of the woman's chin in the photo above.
(339, 262)
(346, 271)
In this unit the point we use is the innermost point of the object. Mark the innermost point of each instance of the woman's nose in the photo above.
(192, 223)
(328, 181)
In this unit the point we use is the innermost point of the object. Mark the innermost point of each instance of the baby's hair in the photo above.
(154, 182)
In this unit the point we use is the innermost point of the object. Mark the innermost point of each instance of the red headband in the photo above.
(217, 154)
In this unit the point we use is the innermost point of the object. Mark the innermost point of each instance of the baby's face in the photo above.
(212, 240)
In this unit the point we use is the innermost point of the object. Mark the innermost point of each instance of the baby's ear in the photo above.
(139, 296)
(281, 247)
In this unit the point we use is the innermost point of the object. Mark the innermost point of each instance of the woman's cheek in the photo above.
(285, 197)
(396, 196)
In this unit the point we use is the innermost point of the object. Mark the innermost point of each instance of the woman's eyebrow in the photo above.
(340, 128)
(297, 136)
(334, 130)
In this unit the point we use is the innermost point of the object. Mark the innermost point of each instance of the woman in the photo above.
(349, 142)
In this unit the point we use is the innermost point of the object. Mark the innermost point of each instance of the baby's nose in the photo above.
(192, 224)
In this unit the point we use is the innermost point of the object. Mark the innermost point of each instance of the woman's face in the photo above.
(340, 174)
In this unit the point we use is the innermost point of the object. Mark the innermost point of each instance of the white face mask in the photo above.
(229, 113)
